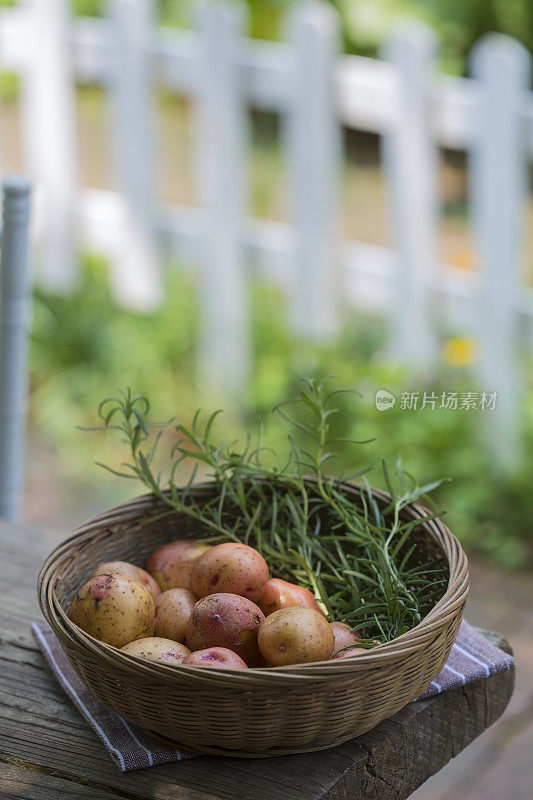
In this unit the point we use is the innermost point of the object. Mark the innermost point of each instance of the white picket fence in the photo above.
(316, 90)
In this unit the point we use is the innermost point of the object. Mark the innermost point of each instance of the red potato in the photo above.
(282, 594)
(149, 582)
(295, 635)
(230, 568)
(343, 636)
(154, 648)
(353, 651)
(114, 608)
(173, 609)
(219, 657)
(137, 573)
(171, 564)
(226, 620)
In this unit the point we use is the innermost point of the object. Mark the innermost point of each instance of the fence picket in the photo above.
(14, 306)
(499, 194)
(136, 274)
(49, 139)
(221, 128)
(411, 169)
(313, 152)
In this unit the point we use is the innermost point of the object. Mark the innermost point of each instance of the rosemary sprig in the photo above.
(361, 560)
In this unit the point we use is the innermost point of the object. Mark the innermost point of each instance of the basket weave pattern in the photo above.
(277, 711)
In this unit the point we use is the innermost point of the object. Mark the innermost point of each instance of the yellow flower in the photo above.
(459, 351)
(463, 259)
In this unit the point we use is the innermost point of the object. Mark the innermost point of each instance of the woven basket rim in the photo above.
(344, 670)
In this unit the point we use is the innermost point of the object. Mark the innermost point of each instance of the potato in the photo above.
(219, 657)
(353, 651)
(125, 568)
(114, 608)
(173, 609)
(282, 594)
(154, 648)
(295, 635)
(230, 568)
(343, 636)
(170, 565)
(226, 620)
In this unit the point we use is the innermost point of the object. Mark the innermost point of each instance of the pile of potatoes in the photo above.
(211, 606)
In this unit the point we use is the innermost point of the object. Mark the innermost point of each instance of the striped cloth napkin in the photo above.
(472, 657)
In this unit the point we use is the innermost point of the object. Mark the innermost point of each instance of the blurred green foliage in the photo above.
(88, 8)
(367, 23)
(266, 17)
(84, 347)
(458, 23)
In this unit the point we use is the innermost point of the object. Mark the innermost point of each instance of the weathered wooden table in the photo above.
(48, 751)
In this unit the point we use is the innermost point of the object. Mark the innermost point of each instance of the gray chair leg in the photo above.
(14, 308)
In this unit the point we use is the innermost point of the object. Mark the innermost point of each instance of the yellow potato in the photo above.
(295, 635)
(154, 648)
(137, 573)
(114, 608)
(171, 564)
(173, 609)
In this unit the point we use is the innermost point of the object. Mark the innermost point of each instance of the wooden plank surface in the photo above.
(47, 750)
(21, 783)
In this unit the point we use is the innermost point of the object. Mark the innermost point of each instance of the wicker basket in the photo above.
(255, 712)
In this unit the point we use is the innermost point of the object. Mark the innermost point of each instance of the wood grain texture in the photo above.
(47, 749)
(26, 783)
